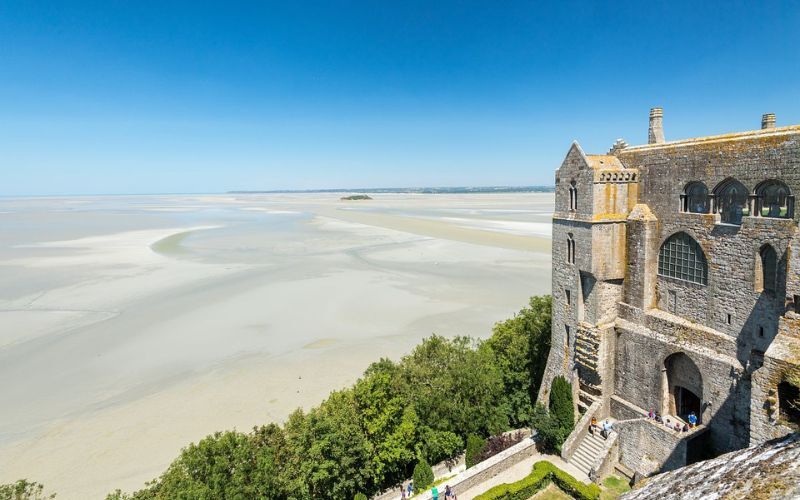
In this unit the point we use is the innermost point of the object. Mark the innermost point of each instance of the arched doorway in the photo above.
(682, 387)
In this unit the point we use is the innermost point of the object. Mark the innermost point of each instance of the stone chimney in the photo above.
(768, 120)
(656, 132)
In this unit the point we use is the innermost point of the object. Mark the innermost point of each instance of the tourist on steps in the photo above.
(692, 419)
(435, 493)
(593, 426)
(607, 428)
(449, 494)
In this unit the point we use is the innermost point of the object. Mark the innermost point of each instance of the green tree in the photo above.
(360, 496)
(475, 446)
(390, 424)
(423, 475)
(436, 446)
(521, 345)
(330, 454)
(24, 490)
(561, 403)
(219, 466)
(454, 387)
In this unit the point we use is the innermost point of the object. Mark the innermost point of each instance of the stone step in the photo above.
(592, 390)
(592, 444)
(584, 456)
(586, 397)
(588, 343)
(581, 465)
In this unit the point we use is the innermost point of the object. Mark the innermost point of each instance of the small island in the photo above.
(355, 197)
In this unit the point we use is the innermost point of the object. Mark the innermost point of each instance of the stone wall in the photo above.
(724, 389)
(647, 447)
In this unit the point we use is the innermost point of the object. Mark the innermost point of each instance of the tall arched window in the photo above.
(695, 198)
(573, 197)
(570, 249)
(682, 257)
(766, 269)
(731, 201)
(774, 199)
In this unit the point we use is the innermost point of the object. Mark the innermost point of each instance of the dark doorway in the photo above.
(789, 403)
(686, 402)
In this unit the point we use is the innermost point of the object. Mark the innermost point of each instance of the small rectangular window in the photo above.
(761, 331)
(568, 296)
(728, 318)
(566, 329)
(673, 302)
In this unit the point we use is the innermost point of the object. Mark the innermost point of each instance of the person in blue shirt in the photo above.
(435, 493)
(692, 419)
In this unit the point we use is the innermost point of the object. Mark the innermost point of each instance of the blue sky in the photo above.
(157, 96)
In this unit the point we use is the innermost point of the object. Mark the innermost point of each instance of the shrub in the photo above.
(561, 405)
(475, 446)
(549, 434)
(360, 496)
(423, 475)
(496, 444)
(542, 473)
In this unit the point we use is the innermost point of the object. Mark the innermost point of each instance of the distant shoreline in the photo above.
(412, 190)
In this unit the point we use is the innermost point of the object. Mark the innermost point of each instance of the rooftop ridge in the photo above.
(769, 132)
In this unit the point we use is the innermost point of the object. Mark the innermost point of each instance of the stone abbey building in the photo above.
(676, 288)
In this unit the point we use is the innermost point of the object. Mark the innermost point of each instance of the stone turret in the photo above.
(768, 120)
(656, 132)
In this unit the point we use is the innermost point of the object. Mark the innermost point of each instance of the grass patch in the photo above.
(613, 487)
(551, 492)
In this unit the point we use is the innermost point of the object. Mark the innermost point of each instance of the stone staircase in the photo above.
(587, 346)
(589, 450)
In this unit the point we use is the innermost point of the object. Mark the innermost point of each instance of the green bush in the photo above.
(360, 496)
(561, 405)
(549, 433)
(423, 475)
(542, 474)
(474, 448)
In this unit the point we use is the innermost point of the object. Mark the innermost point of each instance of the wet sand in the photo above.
(132, 326)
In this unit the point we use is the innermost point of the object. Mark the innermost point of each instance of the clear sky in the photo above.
(159, 96)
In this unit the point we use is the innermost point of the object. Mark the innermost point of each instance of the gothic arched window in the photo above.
(695, 198)
(573, 197)
(773, 199)
(731, 201)
(682, 257)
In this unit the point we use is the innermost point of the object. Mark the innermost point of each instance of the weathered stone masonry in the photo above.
(676, 281)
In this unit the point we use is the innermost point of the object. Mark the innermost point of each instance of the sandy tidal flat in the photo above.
(132, 326)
